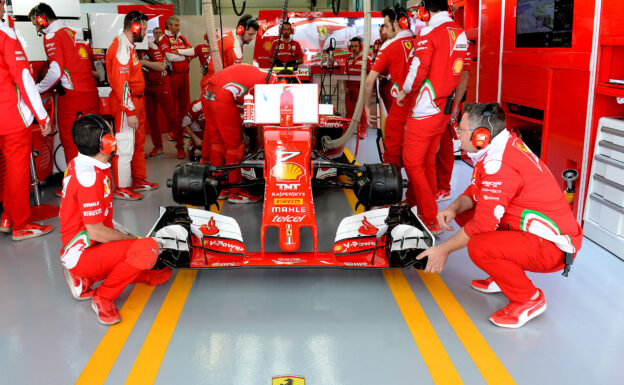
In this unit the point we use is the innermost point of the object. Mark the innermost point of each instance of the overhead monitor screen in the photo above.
(544, 23)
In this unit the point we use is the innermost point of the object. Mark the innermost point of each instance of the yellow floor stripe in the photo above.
(437, 360)
(105, 355)
(477, 347)
(435, 356)
(482, 354)
(147, 364)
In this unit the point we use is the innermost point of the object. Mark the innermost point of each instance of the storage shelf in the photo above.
(610, 89)
(525, 118)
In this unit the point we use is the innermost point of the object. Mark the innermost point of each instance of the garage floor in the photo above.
(333, 327)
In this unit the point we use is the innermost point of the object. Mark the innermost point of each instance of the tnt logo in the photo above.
(287, 186)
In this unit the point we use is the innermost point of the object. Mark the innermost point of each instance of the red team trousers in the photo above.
(15, 149)
(181, 96)
(421, 140)
(351, 101)
(223, 141)
(118, 263)
(394, 129)
(506, 255)
(160, 94)
(137, 164)
(445, 160)
(68, 108)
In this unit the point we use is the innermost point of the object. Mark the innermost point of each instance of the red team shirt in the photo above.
(393, 59)
(169, 43)
(72, 58)
(513, 190)
(435, 76)
(194, 117)
(87, 199)
(153, 54)
(235, 82)
(288, 50)
(125, 73)
(232, 49)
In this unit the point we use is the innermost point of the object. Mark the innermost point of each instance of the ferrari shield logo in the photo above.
(323, 32)
(288, 380)
(408, 45)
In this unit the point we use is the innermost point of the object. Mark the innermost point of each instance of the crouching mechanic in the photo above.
(193, 124)
(223, 137)
(514, 217)
(93, 248)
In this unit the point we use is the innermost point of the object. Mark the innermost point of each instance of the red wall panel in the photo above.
(489, 53)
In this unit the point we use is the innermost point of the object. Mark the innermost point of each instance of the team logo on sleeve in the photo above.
(458, 66)
(236, 89)
(83, 53)
(107, 187)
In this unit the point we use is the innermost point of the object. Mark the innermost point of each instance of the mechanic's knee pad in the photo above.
(143, 253)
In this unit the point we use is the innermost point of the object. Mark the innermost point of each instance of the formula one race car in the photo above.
(389, 236)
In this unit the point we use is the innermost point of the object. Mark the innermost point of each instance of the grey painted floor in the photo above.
(333, 327)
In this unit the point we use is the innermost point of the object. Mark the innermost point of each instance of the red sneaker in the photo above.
(443, 195)
(181, 153)
(434, 228)
(243, 196)
(223, 195)
(516, 314)
(171, 137)
(5, 224)
(362, 133)
(31, 230)
(106, 311)
(485, 285)
(127, 194)
(158, 150)
(143, 185)
(59, 193)
(79, 288)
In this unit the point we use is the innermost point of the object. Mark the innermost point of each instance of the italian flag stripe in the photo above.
(529, 216)
(19, 110)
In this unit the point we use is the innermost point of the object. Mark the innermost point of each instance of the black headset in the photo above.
(107, 142)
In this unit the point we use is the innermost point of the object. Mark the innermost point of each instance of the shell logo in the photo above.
(83, 53)
(107, 187)
(267, 45)
(338, 248)
(287, 171)
(458, 66)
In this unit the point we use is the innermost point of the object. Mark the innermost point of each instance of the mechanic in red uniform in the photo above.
(157, 93)
(435, 71)
(223, 140)
(20, 104)
(392, 59)
(202, 52)
(178, 52)
(352, 87)
(70, 64)
(445, 158)
(289, 53)
(128, 106)
(94, 249)
(231, 45)
(193, 125)
(514, 217)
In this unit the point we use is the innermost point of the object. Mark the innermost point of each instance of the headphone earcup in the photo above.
(240, 30)
(423, 14)
(135, 28)
(481, 137)
(404, 22)
(108, 144)
(41, 21)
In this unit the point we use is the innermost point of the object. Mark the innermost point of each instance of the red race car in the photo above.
(289, 166)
